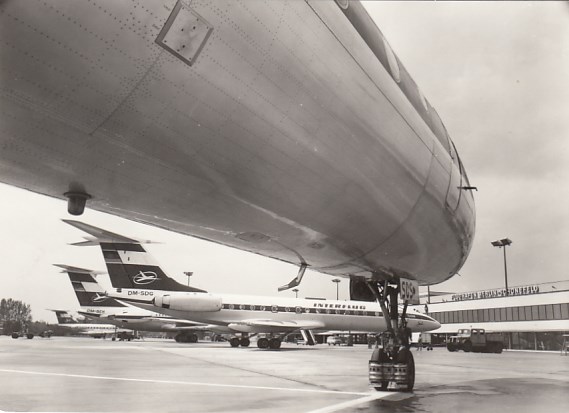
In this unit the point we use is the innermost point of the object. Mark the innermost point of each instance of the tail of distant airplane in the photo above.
(129, 265)
(88, 291)
(63, 317)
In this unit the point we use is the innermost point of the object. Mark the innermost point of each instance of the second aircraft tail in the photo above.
(129, 265)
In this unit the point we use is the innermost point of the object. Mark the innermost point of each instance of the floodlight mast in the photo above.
(503, 243)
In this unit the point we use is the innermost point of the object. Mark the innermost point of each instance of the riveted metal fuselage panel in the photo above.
(285, 136)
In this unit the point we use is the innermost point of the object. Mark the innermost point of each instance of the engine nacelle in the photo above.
(198, 302)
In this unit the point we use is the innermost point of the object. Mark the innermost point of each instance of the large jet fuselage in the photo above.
(251, 314)
(289, 129)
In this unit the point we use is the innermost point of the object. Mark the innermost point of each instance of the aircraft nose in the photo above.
(435, 324)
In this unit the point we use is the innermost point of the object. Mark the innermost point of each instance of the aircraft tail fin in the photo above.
(129, 265)
(64, 317)
(88, 291)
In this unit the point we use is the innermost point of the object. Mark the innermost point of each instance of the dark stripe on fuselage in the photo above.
(301, 310)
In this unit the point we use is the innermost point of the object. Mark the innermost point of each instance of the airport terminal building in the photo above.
(533, 317)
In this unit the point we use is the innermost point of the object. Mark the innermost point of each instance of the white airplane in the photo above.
(140, 281)
(96, 330)
(96, 305)
(289, 129)
(316, 148)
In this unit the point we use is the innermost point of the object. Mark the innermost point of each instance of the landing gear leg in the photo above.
(391, 365)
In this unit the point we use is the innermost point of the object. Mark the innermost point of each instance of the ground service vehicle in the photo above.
(475, 340)
(18, 334)
(334, 340)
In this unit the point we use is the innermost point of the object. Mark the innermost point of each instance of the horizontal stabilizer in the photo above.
(100, 234)
(78, 270)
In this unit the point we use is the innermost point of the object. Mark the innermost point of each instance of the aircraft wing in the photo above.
(268, 325)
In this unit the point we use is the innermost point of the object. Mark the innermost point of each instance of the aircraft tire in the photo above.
(234, 342)
(406, 357)
(245, 342)
(274, 343)
(263, 343)
(380, 356)
(192, 338)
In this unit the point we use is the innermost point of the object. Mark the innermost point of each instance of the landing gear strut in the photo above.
(391, 365)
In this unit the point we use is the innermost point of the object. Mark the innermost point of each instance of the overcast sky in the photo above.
(498, 75)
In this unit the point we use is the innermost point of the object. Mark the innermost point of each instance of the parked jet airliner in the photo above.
(289, 129)
(96, 305)
(96, 330)
(130, 268)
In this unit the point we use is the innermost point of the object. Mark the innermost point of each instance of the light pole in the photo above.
(188, 274)
(295, 291)
(337, 281)
(504, 243)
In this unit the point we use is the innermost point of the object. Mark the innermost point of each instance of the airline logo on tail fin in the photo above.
(129, 265)
(98, 298)
(144, 278)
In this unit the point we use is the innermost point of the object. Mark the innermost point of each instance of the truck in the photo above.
(475, 340)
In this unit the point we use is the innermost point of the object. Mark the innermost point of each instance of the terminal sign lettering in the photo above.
(477, 295)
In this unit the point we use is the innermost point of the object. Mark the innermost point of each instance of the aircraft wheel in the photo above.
(406, 357)
(275, 343)
(193, 338)
(234, 342)
(245, 342)
(380, 356)
(467, 347)
(263, 343)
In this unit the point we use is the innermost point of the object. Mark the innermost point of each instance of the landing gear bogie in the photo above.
(392, 366)
(263, 343)
(186, 338)
(274, 343)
